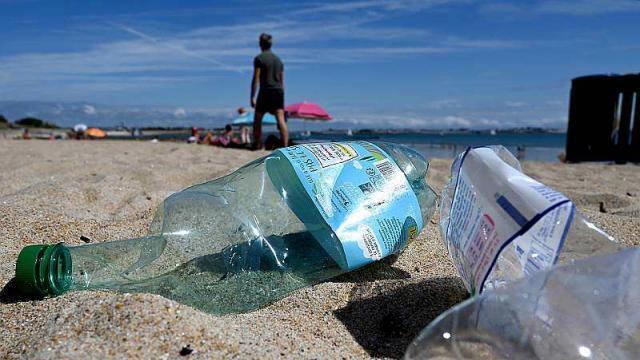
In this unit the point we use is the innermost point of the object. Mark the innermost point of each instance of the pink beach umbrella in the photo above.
(308, 111)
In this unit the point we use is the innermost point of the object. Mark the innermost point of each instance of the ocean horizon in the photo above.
(531, 146)
(545, 147)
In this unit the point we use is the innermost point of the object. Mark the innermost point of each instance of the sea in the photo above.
(547, 147)
(539, 146)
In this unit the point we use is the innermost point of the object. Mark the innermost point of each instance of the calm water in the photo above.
(538, 147)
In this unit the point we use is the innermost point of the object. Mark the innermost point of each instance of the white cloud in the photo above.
(443, 104)
(556, 103)
(89, 109)
(515, 104)
(500, 8)
(139, 56)
(414, 121)
(146, 59)
(381, 5)
(458, 115)
(180, 113)
(159, 58)
(176, 47)
(67, 114)
(483, 112)
(563, 7)
(458, 42)
(463, 122)
(588, 7)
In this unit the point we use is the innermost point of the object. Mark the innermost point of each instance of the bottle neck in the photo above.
(53, 270)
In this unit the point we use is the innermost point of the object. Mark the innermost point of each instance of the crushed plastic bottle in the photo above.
(505, 231)
(294, 218)
(587, 310)
(500, 225)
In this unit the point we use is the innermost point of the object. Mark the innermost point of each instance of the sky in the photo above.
(371, 63)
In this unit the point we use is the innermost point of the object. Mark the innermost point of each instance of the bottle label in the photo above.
(362, 195)
(495, 205)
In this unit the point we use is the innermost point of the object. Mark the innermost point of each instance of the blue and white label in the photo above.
(361, 194)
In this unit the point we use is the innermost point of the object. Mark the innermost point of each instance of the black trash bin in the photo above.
(604, 119)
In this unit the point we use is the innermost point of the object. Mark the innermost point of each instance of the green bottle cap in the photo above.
(43, 270)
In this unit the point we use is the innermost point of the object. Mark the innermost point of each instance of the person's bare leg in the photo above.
(282, 126)
(245, 135)
(257, 130)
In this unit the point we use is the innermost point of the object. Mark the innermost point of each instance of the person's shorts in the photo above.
(270, 100)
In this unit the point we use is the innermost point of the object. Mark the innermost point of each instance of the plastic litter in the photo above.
(587, 310)
(505, 231)
(500, 225)
(294, 218)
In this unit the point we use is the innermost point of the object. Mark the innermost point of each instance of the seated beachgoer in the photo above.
(195, 136)
(26, 135)
(226, 139)
(209, 138)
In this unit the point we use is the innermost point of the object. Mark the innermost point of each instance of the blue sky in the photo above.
(379, 63)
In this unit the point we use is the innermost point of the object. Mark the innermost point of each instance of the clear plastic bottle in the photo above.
(500, 225)
(234, 244)
(506, 232)
(587, 310)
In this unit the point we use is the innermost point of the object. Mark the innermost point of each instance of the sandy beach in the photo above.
(56, 191)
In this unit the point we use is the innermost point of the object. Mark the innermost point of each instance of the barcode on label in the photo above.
(387, 170)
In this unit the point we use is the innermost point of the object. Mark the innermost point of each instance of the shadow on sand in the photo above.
(379, 270)
(385, 322)
(10, 294)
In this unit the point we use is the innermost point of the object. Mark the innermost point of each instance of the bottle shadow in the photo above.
(11, 295)
(385, 324)
(379, 270)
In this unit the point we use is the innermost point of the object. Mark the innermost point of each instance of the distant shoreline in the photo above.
(526, 144)
(163, 130)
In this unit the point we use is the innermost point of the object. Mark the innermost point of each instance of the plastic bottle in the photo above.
(505, 232)
(500, 225)
(296, 217)
(587, 310)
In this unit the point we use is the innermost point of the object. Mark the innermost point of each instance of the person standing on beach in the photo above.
(268, 74)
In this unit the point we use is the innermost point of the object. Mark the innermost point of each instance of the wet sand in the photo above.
(106, 190)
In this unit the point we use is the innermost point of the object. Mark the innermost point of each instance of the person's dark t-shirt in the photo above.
(271, 69)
